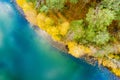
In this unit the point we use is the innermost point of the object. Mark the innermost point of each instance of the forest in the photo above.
(86, 27)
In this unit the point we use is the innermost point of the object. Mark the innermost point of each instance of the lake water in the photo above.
(24, 55)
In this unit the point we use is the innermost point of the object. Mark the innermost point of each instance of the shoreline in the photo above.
(58, 45)
(61, 46)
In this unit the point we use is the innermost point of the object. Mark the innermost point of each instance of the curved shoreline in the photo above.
(61, 46)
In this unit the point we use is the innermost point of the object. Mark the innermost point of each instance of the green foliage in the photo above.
(31, 0)
(92, 29)
(55, 4)
(101, 38)
(96, 30)
(100, 19)
(76, 24)
(74, 1)
(90, 34)
(113, 5)
(44, 8)
(77, 28)
(58, 4)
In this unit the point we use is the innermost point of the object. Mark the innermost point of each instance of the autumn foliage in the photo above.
(86, 30)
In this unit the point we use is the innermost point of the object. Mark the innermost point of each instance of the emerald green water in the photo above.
(24, 55)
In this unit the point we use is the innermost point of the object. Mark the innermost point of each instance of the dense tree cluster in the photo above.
(94, 27)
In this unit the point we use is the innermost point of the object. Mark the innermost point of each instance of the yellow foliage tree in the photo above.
(41, 20)
(64, 28)
(74, 49)
(29, 10)
(78, 50)
(117, 71)
(20, 2)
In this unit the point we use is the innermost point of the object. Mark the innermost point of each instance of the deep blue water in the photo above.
(26, 56)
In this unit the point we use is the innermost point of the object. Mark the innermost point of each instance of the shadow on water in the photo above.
(26, 56)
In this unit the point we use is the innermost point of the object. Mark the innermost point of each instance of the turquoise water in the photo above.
(26, 56)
